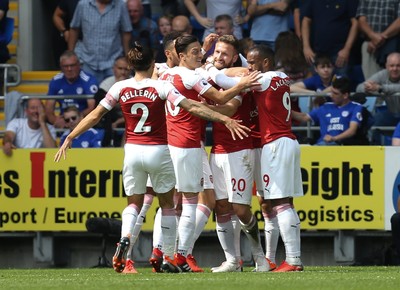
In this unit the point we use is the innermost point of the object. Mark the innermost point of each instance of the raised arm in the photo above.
(88, 122)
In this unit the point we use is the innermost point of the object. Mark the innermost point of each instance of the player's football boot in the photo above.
(193, 264)
(129, 267)
(156, 260)
(264, 265)
(119, 258)
(285, 267)
(227, 266)
(182, 264)
(169, 265)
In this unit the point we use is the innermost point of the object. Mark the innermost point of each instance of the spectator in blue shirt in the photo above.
(70, 81)
(339, 119)
(321, 82)
(90, 139)
(106, 34)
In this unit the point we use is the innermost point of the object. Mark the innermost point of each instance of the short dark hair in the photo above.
(265, 52)
(230, 39)
(170, 37)
(343, 84)
(322, 59)
(182, 43)
(224, 17)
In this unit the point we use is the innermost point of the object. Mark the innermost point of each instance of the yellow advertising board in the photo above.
(342, 186)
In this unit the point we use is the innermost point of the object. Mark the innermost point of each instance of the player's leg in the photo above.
(205, 206)
(134, 179)
(189, 176)
(271, 227)
(282, 176)
(223, 212)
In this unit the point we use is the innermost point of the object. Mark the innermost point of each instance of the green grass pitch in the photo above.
(329, 277)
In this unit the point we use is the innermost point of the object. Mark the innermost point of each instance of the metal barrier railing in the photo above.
(10, 71)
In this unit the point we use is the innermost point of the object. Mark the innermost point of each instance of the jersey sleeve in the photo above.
(357, 115)
(112, 97)
(171, 94)
(197, 83)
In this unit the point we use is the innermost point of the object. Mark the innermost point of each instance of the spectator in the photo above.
(164, 27)
(290, 59)
(270, 17)
(106, 34)
(223, 25)
(114, 119)
(62, 17)
(321, 82)
(245, 44)
(4, 53)
(182, 24)
(380, 25)
(385, 82)
(215, 8)
(70, 81)
(144, 30)
(29, 132)
(396, 139)
(88, 139)
(330, 29)
(339, 119)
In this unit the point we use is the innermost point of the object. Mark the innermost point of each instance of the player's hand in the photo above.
(209, 40)
(250, 80)
(63, 150)
(237, 129)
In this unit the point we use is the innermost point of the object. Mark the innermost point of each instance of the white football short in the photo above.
(233, 176)
(188, 167)
(207, 174)
(257, 172)
(280, 169)
(143, 161)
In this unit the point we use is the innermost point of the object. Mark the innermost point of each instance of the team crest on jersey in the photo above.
(345, 114)
(79, 91)
(93, 89)
(204, 83)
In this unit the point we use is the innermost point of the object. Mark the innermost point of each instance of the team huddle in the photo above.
(166, 108)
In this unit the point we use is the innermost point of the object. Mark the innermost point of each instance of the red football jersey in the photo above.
(273, 104)
(143, 107)
(223, 141)
(184, 129)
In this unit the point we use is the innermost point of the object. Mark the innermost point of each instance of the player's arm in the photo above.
(88, 122)
(227, 109)
(300, 116)
(200, 110)
(221, 97)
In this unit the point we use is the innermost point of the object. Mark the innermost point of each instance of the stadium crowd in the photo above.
(205, 61)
